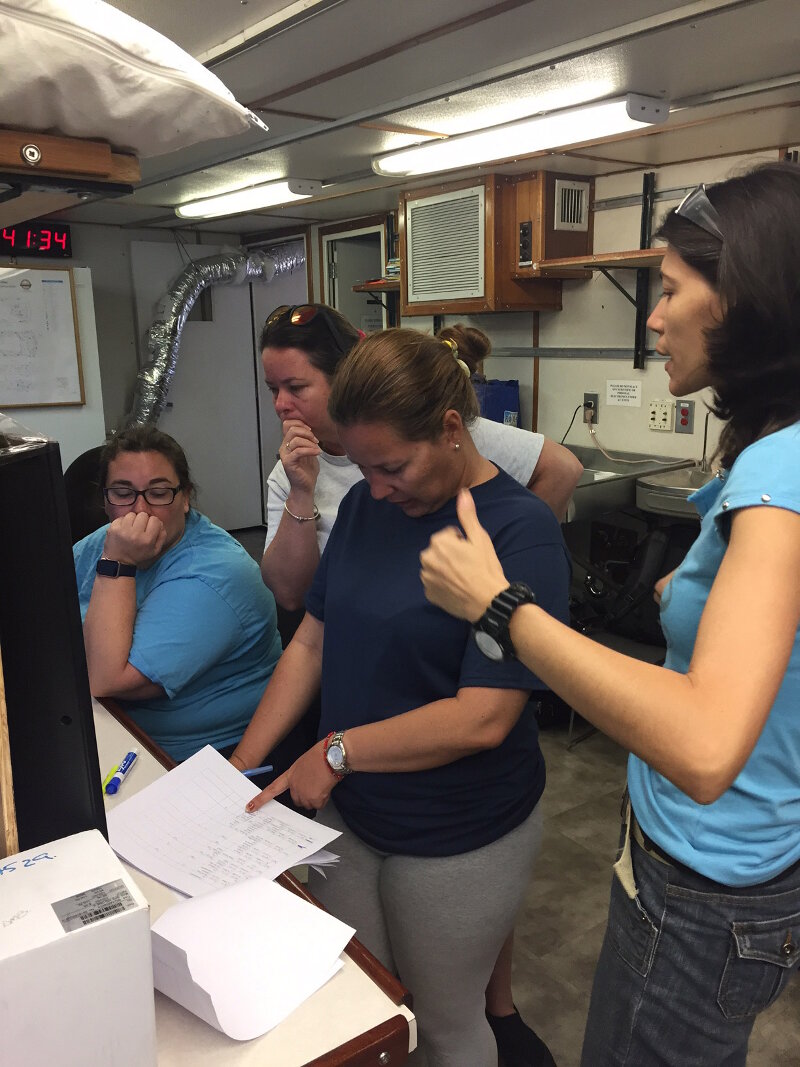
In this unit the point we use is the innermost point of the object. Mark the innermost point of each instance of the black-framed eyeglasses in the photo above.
(157, 496)
(302, 314)
(697, 208)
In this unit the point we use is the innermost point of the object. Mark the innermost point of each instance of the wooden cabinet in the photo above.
(468, 233)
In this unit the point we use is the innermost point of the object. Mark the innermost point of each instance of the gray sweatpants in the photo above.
(437, 922)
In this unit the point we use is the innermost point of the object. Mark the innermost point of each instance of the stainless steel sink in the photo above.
(667, 493)
(607, 484)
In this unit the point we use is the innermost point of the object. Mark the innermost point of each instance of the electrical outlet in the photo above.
(684, 417)
(590, 401)
(661, 415)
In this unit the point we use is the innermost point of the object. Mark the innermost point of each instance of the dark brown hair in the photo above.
(147, 438)
(754, 353)
(314, 338)
(473, 344)
(405, 379)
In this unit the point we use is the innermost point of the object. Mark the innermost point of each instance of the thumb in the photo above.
(468, 517)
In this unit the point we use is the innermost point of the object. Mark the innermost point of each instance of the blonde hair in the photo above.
(405, 379)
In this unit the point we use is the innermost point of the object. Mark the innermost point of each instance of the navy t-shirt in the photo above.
(387, 650)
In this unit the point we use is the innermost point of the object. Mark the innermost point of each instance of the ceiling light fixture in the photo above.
(253, 198)
(590, 122)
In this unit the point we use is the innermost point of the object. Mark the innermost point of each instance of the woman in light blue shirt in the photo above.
(178, 626)
(704, 922)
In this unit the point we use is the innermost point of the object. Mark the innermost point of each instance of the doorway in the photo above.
(352, 254)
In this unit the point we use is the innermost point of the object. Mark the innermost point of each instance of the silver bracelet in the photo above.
(303, 518)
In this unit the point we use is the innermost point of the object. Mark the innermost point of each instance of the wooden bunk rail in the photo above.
(66, 156)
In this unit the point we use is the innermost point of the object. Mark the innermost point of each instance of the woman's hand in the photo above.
(309, 780)
(298, 454)
(461, 572)
(136, 538)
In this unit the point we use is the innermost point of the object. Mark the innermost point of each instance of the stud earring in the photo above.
(456, 446)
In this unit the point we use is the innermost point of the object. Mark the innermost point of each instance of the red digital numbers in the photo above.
(38, 240)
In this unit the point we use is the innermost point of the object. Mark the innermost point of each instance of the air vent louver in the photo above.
(445, 245)
(572, 205)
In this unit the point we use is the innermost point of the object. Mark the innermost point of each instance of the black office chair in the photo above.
(84, 499)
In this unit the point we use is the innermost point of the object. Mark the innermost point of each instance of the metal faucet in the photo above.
(704, 461)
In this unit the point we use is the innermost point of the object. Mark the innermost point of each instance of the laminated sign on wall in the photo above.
(40, 362)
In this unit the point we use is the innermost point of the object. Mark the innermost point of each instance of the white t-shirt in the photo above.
(517, 451)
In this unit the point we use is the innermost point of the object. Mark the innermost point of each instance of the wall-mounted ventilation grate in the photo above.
(444, 245)
(572, 205)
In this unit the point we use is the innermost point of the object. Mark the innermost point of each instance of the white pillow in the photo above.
(81, 68)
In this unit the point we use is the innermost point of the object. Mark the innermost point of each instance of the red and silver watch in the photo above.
(335, 754)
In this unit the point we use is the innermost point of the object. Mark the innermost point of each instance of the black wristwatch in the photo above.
(491, 630)
(112, 568)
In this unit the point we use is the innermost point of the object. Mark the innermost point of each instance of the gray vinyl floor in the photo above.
(561, 927)
(560, 931)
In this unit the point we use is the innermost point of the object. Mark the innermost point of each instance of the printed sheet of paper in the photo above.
(244, 958)
(190, 831)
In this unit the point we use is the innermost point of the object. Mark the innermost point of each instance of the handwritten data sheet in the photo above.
(190, 831)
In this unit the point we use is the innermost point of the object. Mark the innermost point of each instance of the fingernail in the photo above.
(249, 807)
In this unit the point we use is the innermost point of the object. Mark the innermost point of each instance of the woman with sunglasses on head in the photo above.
(178, 625)
(434, 777)
(301, 348)
(704, 921)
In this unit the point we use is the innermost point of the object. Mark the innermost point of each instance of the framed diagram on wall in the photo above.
(40, 353)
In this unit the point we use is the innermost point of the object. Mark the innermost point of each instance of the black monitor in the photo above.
(57, 786)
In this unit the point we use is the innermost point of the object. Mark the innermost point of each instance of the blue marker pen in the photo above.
(119, 776)
(257, 770)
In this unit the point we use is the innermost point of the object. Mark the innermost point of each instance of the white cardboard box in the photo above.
(75, 959)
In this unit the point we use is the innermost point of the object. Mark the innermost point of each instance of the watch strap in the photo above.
(112, 568)
(336, 738)
(495, 620)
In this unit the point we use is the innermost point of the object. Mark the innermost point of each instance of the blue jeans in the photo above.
(686, 967)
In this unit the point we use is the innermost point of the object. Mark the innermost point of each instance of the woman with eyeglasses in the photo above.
(301, 348)
(433, 777)
(704, 922)
(178, 626)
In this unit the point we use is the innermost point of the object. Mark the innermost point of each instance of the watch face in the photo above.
(335, 757)
(488, 645)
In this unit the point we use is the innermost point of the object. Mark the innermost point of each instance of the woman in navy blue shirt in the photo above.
(428, 753)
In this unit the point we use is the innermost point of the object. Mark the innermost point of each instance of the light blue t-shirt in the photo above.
(752, 832)
(205, 630)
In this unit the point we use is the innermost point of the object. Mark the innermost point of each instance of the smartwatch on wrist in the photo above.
(112, 568)
(491, 630)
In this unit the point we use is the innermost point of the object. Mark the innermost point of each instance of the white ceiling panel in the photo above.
(533, 34)
(200, 25)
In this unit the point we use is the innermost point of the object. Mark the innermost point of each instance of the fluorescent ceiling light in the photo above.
(250, 199)
(589, 123)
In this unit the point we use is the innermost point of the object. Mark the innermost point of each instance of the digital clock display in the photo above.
(47, 240)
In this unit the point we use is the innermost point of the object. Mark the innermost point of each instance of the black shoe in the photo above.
(517, 1044)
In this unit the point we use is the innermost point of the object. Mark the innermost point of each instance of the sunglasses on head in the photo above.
(302, 314)
(697, 208)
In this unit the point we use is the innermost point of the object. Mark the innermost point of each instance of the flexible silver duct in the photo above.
(164, 336)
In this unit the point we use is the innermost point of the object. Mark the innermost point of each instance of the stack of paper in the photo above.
(245, 957)
(189, 829)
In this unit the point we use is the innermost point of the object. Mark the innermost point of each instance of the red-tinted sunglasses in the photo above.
(302, 314)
